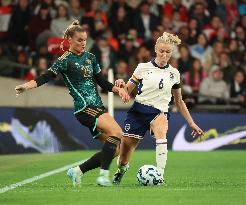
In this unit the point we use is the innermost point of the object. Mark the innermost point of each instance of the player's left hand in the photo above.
(124, 95)
(196, 130)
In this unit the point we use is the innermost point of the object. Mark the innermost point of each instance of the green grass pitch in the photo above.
(197, 178)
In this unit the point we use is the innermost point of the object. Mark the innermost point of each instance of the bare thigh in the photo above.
(108, 126)
(127, 147)
(160, 126)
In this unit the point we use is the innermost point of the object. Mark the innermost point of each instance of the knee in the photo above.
(160, 135)
(116, 132)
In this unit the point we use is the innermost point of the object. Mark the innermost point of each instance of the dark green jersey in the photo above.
(78, 71)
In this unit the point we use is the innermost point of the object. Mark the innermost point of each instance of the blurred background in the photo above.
(211, 60)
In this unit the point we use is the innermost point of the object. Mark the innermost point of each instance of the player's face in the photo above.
(163, 52)
(78, 42)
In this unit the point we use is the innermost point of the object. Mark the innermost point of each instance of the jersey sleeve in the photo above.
(96, 66)
(59, 66)
(138, 72)
(177, 85)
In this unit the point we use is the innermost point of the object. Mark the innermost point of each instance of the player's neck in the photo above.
(160, 63)
(76, 52)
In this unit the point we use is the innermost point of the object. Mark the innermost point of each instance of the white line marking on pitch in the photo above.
(35, 178)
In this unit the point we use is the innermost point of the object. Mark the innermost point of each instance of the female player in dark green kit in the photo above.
(80, 71)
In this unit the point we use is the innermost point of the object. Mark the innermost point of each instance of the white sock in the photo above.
(161, 155)
(122, 168)
(104, 172)
(78, 170)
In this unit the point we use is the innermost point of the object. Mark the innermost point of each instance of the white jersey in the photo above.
(156, 84)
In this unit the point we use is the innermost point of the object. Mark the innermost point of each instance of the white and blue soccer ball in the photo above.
(148, 175)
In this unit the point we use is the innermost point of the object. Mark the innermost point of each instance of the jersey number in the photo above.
(161, 84)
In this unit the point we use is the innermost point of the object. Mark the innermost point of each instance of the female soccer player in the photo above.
(157, 81)
(80, 70)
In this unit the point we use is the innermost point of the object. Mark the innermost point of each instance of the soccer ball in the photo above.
(148, 175)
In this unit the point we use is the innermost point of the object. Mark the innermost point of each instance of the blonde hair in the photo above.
(168, 38)
(71, 29)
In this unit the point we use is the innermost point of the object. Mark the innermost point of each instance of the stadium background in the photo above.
(122, 34)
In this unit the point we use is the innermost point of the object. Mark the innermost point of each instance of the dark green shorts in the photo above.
(89, 118)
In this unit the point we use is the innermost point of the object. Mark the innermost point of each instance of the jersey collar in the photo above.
(75, 53)
(154, 63)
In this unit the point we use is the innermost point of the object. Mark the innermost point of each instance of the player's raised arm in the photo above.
(42, 79)
(185, 112)
(129, 86)
(106, 85)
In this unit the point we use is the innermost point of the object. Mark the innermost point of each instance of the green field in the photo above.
(192, 178)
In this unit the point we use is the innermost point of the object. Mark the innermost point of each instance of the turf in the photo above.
(191, 178)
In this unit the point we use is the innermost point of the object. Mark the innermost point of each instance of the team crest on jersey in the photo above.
(127, 127)
(171, 76)
(88, 61)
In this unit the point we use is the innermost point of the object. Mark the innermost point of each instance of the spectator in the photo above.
(166, 25)
(144, 21)
(175, 6)
(99, 17)
(238, 88)
(211, 29)
(214, 88)
(61, 22)
(185, 60)
(42, 66)
(127, 48)
(213, 57)
(240, 36)
(113, 42)
(198, 11)
(176, 22)
(231, 11)
(51, 7)
(43, 22)
(226, 67)
(122, 71)
(184, 35)
(105, 54)
(201, 49)
(75, 10)
(194, 76)
(155, 7)
(151, 42)
(22, 59)
(18, 24)
(193, 31)
(142, 55)
(234, 53)
(120, 24)
(120, 3)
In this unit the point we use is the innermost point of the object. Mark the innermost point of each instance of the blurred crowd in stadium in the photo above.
(211, 59)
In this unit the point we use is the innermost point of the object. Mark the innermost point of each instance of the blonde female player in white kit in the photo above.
(157, 81)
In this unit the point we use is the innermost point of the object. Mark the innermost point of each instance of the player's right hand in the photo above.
(120, 83)
(124, 95)
(20, 89)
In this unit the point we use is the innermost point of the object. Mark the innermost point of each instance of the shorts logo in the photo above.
(127, 127)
